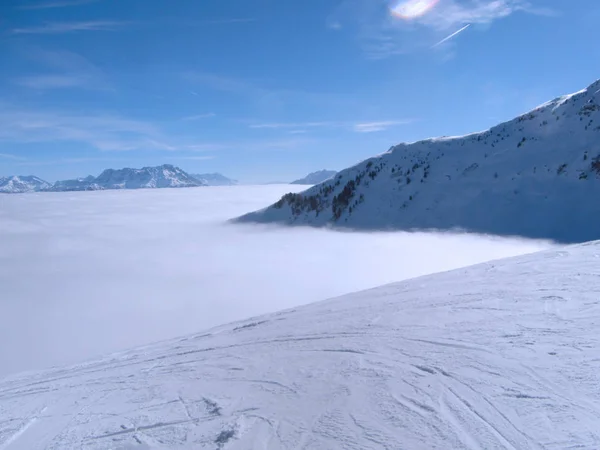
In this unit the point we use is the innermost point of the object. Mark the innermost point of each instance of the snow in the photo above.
(215, 179)
(499, 355)
(535, 176)
(316, 177)
(87, 273)
(21, 184)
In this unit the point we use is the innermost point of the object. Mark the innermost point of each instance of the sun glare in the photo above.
(411, 9)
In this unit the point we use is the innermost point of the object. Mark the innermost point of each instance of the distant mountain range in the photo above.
(536, 176)
(215, 179)
(19, 184)
(316, 177)
(165, 176)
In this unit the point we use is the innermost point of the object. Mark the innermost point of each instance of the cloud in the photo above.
(58, 4)
(142, 247)
(382, 35)
(62, 69)
(276, 125)
(58, 162)
(71, 27)
(230, 20)
(103, 132)
(447, 38)
(266, 99)
(57, 82)
(367, 127)
(195, 158)
(12, 157)
(199, 117)
(371, 127)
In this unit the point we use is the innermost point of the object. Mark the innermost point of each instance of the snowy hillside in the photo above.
(316, 177)
(21, 184)
(499, 355)
(535, 176)
(215, 179)
(165, 176)
(79, 184)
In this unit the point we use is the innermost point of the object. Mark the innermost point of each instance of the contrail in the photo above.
(447, 38)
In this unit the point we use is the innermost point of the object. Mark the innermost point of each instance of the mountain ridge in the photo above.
(150, 177)
(527, 177)
(316, 177)
(215, 179)
(18, 184)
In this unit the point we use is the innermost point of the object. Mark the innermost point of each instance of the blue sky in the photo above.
(265, 90)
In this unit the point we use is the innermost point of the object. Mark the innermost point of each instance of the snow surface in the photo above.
(22, 184)
(165, 176)
(503, 355)
(316, 177)
(535, 176)
(86, 273)
(215, 179)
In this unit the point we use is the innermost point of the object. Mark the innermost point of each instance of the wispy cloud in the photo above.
(229, 20)
(195, 158)
(371, 127)
(12, 157)
(447, 38)
(68, 70)
(359, 127)
(279, 125)
(54, 81)
(103, 132)
(57, 4)
(267, 98)
(199, 117)
(55, 162)
(71, 27)
(382, 34)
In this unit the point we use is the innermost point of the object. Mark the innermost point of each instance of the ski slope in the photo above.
(503, 355)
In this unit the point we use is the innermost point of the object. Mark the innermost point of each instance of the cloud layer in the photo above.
(89, 273)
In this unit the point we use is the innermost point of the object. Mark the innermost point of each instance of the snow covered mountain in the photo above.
(316, 177)
(503, 355)
(215, 179)
(165, 176)
(79, 184)
(534, 176)
(21, 184)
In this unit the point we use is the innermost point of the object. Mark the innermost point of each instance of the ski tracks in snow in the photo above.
(471, 359)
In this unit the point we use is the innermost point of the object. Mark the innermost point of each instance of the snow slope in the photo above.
(21, 184)
(535, 176)
(79, 184)
(502, 355)
(165, 176)
(215, 179)
(316, 177)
